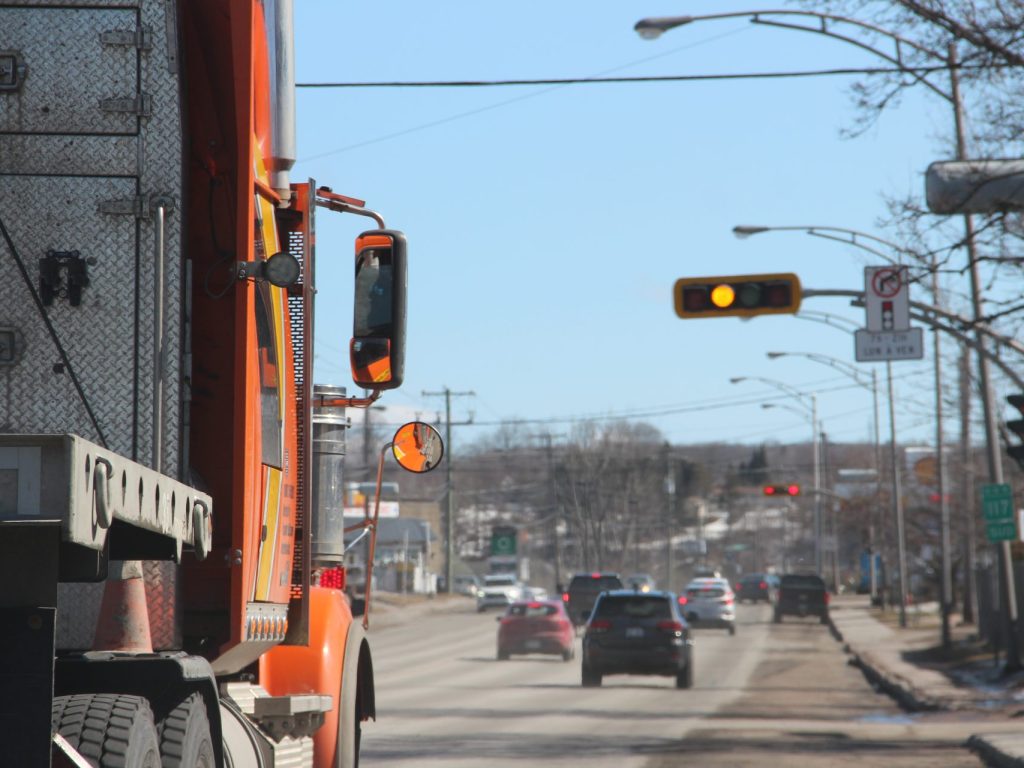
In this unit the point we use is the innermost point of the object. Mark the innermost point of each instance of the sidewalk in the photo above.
(906, 663)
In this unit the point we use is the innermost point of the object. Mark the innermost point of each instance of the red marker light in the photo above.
(793, 490)
(769, 490)
(682, 600)
(565, 597)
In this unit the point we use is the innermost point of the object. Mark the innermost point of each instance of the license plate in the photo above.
(533, 644)
(634, 632)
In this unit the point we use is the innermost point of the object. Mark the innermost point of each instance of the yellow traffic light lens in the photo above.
(722, 296)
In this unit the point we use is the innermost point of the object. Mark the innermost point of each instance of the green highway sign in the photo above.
(503, 543)
(997, 509)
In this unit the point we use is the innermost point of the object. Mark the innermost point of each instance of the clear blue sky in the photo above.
(547, 225)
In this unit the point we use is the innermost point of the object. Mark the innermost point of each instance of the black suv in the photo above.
(637, 633)
(802, 594)
(582, 593)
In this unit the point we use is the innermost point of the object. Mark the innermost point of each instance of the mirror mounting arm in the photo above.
(346, 402)
(326, 198)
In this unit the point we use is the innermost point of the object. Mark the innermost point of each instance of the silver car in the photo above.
(709, 603)
(499, 590)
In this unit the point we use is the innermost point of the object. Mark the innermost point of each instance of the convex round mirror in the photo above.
(417, 447)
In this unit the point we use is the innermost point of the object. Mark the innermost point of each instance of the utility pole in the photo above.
(449, 515)
(555, 507)
(992, 446)
(967, 487)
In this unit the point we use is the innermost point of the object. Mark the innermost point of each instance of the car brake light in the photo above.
(738, 586)
(727, 599)
(762, 585)
(565, 597)
(682, 600)
(534, 606)
(670, 626)
(827, 596)
(599, 625)
(595, 575)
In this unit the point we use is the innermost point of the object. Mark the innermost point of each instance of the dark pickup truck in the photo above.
(802, 595)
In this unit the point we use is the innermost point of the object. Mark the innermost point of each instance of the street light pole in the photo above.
(897, 500)
(995, 460)
(854, 374)
(653, 27)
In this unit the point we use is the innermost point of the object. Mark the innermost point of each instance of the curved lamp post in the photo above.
(854, 373)
(827, 25)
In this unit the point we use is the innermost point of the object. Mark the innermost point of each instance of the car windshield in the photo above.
(619, 606)
(803, 580)
(599, 582)
(532, 610)
(499, 581)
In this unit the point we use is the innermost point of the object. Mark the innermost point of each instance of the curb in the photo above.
(892, 685)
(991, 754)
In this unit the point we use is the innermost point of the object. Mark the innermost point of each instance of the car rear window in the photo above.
(801, 580)
(699, 592)
(499, 581)
(601, 583)
(532, 610)
(754, 579)
(628, 606)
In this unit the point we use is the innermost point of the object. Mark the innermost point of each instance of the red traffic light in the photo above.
(782, 490)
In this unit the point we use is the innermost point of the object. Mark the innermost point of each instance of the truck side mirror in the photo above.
(377, 350)
(417, 447)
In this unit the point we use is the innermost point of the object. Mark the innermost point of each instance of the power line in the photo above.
(781, 75)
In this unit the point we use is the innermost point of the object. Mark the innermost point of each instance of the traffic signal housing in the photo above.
(792, 489)
(737, 295)
(1016, 452)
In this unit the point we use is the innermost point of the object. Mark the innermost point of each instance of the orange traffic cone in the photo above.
(123, 623)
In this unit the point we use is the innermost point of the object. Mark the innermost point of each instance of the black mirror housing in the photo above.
(377, 350)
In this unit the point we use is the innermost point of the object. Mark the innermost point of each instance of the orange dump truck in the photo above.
(170, 548)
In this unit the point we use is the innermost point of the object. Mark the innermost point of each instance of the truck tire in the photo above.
(109, 730)
(591, 679)
(185, 740)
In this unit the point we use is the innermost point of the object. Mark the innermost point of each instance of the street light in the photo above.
(854, 373)
(825, 24)
(816, 457)
(856, 238)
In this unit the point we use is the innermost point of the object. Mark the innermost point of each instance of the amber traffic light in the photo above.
(737, 295)
(792, 489)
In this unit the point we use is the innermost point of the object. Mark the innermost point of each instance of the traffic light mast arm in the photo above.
(965, 322)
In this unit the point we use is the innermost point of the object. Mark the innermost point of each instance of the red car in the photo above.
(538, 626)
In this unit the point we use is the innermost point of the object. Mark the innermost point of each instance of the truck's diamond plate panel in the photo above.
(69, 155)
(44, 130)
(62, 51)
(35, 394)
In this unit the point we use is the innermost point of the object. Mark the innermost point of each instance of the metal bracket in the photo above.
(52, 284)
(141, 105)
(141, 38)
(140, 206)
(12, 345)
(12, 70)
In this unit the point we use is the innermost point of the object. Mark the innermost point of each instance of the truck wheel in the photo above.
(185, 740)
(108, 729)
(591, 679)
(502, 655)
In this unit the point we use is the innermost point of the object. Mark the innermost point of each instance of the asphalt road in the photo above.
(781, 690)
